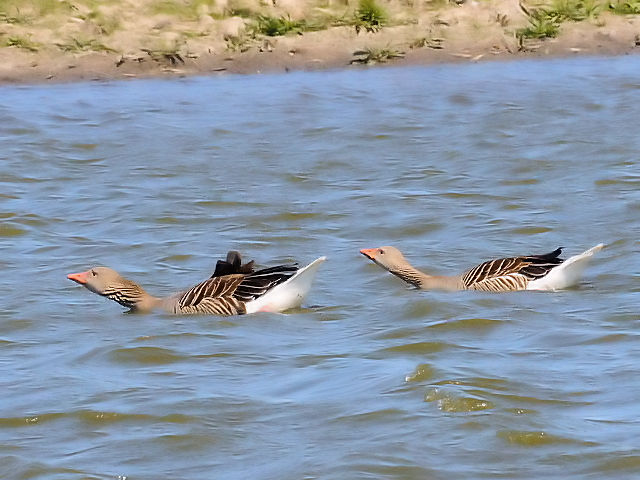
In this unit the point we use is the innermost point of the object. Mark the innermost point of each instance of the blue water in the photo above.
(371, 379)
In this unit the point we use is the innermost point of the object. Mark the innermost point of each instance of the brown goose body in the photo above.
(233, 289)
(530, 272)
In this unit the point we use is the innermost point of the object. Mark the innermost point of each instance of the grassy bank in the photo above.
(140, 37)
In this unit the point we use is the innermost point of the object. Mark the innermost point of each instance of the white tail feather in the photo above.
(289, 294)
(567, 274)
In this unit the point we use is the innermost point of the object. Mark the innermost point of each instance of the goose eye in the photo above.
(93, 273)
(381, 251)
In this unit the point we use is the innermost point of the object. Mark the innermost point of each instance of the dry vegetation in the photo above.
(50, 38)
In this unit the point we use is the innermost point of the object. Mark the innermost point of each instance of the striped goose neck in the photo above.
(415, 277)
(409, 274)
(128, 294)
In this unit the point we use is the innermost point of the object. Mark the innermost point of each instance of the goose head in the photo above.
(109, 283)
(100, 280)
(387, 257)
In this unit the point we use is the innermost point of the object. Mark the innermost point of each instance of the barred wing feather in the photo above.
(258, 283)
(512, 273)
(227, 295)
(213, 288)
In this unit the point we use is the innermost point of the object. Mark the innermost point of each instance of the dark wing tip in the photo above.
(233, 258)
(247, 267)
(551, 255)
(232, 265)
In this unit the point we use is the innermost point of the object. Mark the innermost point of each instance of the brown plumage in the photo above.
(229, 294)
(228, 291)
(531, 272)
(514, 273)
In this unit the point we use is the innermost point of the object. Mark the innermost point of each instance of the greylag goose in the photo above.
(533, 272)
(233, 289)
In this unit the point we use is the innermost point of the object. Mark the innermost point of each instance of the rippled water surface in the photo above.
(371, 379)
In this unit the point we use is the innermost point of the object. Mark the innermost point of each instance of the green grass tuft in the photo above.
(169, 56)
(545, 22)
(540, 25)
(369, 16)
(16, 18)
(240, 44)
(370, 56)
(277, 26)
(22, 42)
(573, 10)
(76, 44)
(625, 8)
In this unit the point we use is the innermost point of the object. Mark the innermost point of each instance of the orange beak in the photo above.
(369, 252)
(80, 278)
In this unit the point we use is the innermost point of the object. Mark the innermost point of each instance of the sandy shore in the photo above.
(58, 40)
